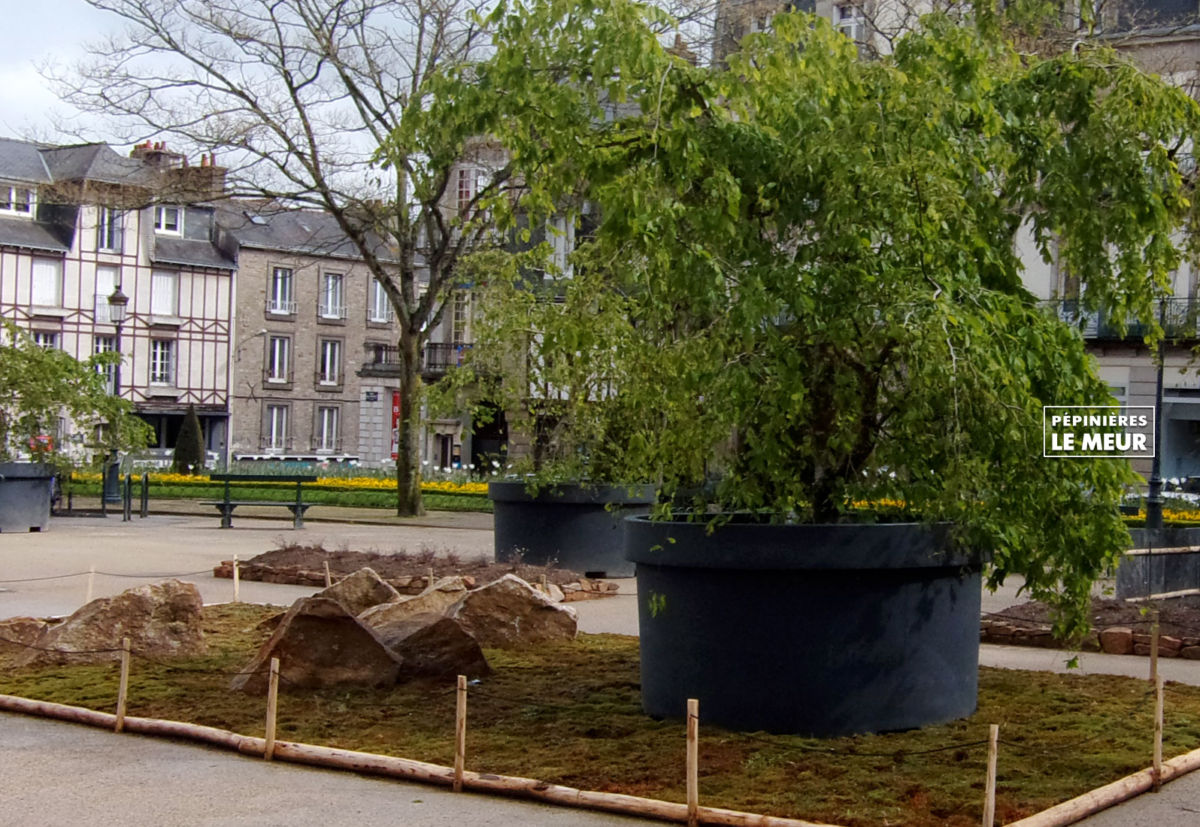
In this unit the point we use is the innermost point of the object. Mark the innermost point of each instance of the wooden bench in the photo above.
(226, 505)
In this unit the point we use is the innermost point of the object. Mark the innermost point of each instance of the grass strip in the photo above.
(571, 714)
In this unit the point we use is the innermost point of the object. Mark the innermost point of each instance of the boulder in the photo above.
(1117, 640)
(434, 646)
(161, 620)
(360, 591)
(17, 634)
(319, 643)
(509, 613)
(434, 600)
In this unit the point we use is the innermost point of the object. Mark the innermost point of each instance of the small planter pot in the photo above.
(575, 527)
(25, 489)
(810, 629)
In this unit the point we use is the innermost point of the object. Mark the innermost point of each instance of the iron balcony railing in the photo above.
(1180, 319)
(436, 358)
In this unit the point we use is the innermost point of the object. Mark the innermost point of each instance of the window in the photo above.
(279, 297)
(470, 181)
(45, 339)
(47, 282)
(380, 309)
(332, 306)
(162, 362)
(107, 279)
(275, 428)
(106, 344)
(164, 294)
(561, 234)
(329, 369)
(278, 348)
(16, 200)
(109, 226)
(168, 220)
(461, 320)
(327, 429)
(848, 19)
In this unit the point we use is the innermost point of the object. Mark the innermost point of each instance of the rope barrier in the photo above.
(1002, 615)
(59, 651)
(108, 574)
(52, 577)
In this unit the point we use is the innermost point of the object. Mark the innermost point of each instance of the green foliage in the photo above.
(812, 260)
(41, 386)
(189, 446)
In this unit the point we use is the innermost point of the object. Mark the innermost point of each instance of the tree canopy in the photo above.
(41, 386)
(824, 298)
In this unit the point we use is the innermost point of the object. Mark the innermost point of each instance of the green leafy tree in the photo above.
(39, 387)
(817, 255)
(189, 445)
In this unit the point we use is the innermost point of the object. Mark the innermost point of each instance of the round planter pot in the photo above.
(25, 489)
(809, 629)
(575, 527)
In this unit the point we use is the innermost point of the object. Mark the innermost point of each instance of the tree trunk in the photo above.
(408, 451)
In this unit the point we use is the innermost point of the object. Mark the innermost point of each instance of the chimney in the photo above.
(157, 155)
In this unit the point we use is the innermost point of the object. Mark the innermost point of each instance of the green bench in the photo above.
(227, 504)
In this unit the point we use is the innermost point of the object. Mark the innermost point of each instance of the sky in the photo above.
(34, 31)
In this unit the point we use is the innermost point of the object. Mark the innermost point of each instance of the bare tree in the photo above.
(300, 99)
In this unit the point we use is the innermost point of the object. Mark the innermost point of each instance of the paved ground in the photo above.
(191, 544)
(56, 773)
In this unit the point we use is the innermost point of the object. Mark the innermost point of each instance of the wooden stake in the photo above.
(328, 576)
(123, 688)
(693, 759)
(1154, 648)
(989, 795)
(272, 708)
(460, 734)
(429, 584)
(91, 582)
(236, 580)
(1158, 731)
(545, 586)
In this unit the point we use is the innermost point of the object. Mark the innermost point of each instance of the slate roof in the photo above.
(187, 252)
(96, 162)
(23, 161)
(299, 231)
(31, 235)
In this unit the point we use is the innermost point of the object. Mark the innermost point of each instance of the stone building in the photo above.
(309, 317)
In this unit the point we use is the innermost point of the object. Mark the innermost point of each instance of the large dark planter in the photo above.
(572, 526)
(810, 629)
(25, 489)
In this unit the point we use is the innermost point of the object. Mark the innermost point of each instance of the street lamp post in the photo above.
(1154, 500)
(117, 305)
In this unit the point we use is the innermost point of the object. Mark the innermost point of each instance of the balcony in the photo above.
(439, 357)
(281, 307)
(436, 359)
(1180, 321)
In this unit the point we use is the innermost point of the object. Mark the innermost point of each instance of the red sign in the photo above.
(395, 424)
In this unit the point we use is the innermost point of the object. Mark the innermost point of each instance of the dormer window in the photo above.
(16, 200)
(168, 220)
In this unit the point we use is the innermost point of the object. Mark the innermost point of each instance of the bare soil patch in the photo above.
(305, 566)
(1175, 618)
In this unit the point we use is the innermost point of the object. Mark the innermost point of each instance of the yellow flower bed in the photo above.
(346, 483)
